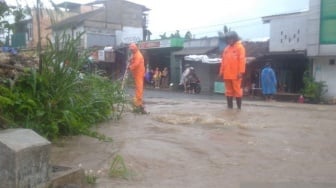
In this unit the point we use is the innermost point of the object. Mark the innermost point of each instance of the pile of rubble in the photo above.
(12, 64)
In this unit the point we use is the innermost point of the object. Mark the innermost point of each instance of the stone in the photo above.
(24, 159)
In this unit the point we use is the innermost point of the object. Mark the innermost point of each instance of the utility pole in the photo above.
(38, 9)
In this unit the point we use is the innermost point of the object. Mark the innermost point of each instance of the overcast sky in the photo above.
(207, 17)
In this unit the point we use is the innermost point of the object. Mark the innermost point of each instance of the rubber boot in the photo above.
(142, 110)
(229, 102)
(239, 102)
(139, 110)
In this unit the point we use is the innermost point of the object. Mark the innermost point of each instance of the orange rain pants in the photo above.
(232, 69)
(137, 67)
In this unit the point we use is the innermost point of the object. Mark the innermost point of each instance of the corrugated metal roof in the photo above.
(76, 20)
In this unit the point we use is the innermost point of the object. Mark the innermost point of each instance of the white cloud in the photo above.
(205, 18)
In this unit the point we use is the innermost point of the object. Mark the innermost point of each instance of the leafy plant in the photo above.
(313, 90)
(91, 177)
(60, 100)
(119, 169)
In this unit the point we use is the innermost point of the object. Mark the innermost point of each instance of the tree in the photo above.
(163, 36)
(188, 35)
(177, 34)
(221, 34)
(39, 48)
(19, 14)
(4, 11)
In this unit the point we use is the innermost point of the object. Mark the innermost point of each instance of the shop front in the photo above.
(158, 54)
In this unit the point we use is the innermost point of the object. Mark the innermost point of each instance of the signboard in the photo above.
(131, 34)
(328, 22)
(164, 43)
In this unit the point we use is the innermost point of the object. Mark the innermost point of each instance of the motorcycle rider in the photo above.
(192, 80)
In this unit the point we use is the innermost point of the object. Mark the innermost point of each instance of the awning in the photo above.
(202, 58)
(195, 51)
(206, 59)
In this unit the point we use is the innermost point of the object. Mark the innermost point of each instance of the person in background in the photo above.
(268, 82)
(164, 78)
(184, 77)
(232, 68)
(157, 77)
(137, 68)
(149, 77)
(192, 80)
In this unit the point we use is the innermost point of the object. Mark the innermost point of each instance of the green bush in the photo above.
(59, 100)
(313, 90)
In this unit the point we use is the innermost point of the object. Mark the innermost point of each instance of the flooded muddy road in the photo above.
(191, 142)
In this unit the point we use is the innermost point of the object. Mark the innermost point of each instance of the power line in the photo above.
(207, 27)
(202, 31)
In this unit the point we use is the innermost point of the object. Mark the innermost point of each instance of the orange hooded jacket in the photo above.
(137, 67)
(233, 61)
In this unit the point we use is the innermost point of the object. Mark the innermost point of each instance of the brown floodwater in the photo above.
(200, 143)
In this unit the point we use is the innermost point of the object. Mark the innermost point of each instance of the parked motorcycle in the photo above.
(193, 83)
(194, 87)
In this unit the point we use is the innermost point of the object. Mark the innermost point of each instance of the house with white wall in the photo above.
(117, 22)
(321, 42)
(312, 33)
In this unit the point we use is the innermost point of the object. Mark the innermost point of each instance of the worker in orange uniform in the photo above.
(232, 68)
(137, 67)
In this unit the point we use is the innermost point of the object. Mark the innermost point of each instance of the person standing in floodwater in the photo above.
(268, 82)
(232, 68)
(137, 67)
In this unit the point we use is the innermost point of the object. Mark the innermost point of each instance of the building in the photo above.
(202, 54)
(105, 23)
(321, 43)
(115, 23)
(159, 53)
(26, 31)
(205, 56)
(112, 24)
(287, 47)
(302, 41)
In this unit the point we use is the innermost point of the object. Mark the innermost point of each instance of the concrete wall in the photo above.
(24, 159)
(45, 22)
(324, 71)
(128, 34)
(288, 32)
(313, 28)
(207, 42)
(321, 55)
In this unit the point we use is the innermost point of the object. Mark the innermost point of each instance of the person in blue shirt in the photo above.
(268, 82)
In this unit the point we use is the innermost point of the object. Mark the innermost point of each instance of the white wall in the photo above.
(288, 32)
(323, 71)
(313, 36)
(313, 28)
(128, 35)
(206, 42)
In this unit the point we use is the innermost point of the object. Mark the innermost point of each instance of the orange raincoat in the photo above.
(137, 67)
(232, 68)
